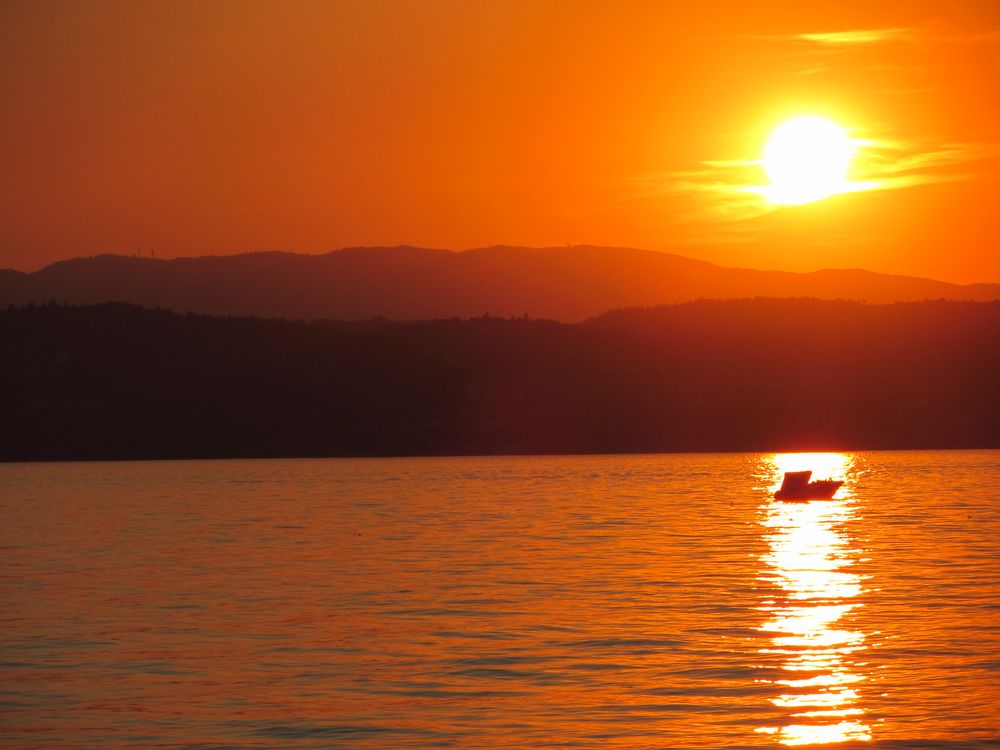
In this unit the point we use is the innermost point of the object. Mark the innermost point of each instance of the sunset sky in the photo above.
(194, 128)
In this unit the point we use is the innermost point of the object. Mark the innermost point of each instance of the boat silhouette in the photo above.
(796, 486)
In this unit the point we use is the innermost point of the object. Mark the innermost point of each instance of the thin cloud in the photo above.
(897, 164)
(860, 36)
(810, 72)
(721, 192)
(857, 39)
(711, 194)
(907, 92)
(904, 34)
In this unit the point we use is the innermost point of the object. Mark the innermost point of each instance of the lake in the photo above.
(654, 601)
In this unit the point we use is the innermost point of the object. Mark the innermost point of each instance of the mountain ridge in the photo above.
(403, 282)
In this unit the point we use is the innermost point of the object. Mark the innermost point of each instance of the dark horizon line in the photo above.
(486, 316)
(551, 454)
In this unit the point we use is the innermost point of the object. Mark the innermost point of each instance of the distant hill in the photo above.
(116, 381)
(406, 283)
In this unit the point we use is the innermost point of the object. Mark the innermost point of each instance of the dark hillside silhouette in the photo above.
(564, 283)
(117, 381)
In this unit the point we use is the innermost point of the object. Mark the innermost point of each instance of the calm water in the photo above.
(615, 601)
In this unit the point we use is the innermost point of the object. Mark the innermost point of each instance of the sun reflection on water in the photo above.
(808, 562)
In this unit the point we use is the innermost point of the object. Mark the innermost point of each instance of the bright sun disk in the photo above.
(807, 159)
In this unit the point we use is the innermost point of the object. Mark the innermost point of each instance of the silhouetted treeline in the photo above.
(117, 381)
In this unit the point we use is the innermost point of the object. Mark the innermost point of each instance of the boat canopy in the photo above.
(795, 481)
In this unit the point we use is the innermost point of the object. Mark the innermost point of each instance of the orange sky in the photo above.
(219, 127)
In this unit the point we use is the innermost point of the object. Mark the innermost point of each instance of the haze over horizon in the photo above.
(153, 254)
(406, 283)
(254, 126)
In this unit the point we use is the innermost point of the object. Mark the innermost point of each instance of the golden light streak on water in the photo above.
(808, 562)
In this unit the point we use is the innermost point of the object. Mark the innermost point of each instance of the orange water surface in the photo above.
(659, 601)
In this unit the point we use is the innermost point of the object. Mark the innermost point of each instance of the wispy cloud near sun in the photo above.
(736, 190)
(898, 164)
(859, 36)
(906, 34)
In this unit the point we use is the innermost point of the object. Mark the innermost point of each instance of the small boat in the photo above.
(796, 486)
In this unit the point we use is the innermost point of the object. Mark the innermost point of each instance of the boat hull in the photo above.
(821, 490)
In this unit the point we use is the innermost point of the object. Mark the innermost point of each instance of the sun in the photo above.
(807, 159)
